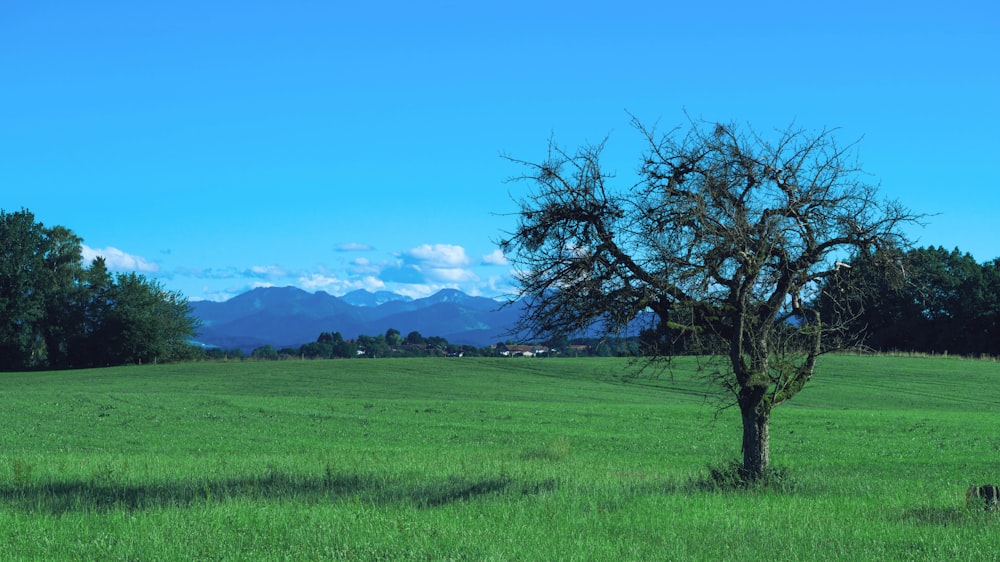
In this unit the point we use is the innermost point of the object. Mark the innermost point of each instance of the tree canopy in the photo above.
(55, 312)
(938, 301)
(725, 236)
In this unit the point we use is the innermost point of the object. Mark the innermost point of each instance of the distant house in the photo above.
(523, 350)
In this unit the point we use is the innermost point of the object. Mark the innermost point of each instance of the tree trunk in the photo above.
(756, 414)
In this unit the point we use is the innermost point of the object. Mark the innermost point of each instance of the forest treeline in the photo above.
(937, 301)
(923, 300)
(414, 344)
(57, 312)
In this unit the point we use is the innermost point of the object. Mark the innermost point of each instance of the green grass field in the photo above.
(486, 459)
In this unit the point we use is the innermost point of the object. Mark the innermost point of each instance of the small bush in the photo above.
(732, 476)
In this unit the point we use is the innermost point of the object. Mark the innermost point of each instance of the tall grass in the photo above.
(489, 459)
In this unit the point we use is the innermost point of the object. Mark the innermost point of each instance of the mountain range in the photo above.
(290, 317)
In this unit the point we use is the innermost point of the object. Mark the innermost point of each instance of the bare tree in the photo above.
(727, 234)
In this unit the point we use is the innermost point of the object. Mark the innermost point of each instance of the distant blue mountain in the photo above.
(290, 317)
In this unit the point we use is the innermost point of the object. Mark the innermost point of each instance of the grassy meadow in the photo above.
(490, 459)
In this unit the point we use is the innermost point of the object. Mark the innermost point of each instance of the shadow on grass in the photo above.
(82, 496)
(943, 516)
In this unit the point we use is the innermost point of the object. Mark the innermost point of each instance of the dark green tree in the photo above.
(557, 343)
(725, 233)
(317, 350)
(342, 349)
(145, 323)
(64, 295)
(95, 303)
(950, 294)
(393, 338)
(373, 346)
(322, 348)
(24, 288)
(55, 313)
(985, 329)
(437, 342)
(933, 300)
(265, 353)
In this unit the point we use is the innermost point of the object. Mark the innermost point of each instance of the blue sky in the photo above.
(221, 146)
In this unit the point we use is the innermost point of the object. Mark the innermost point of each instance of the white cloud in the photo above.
(430, 265)
(209, 273)
(495, 257)
(417, 291)
(117, 260)
(451, 274)
(369, 283)
(267, 271)
(439, 255)
(317, 281)
(576, 250)
(210, 294)
(417, 272)
(353, 247)
(324, 281)
(501, 286)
